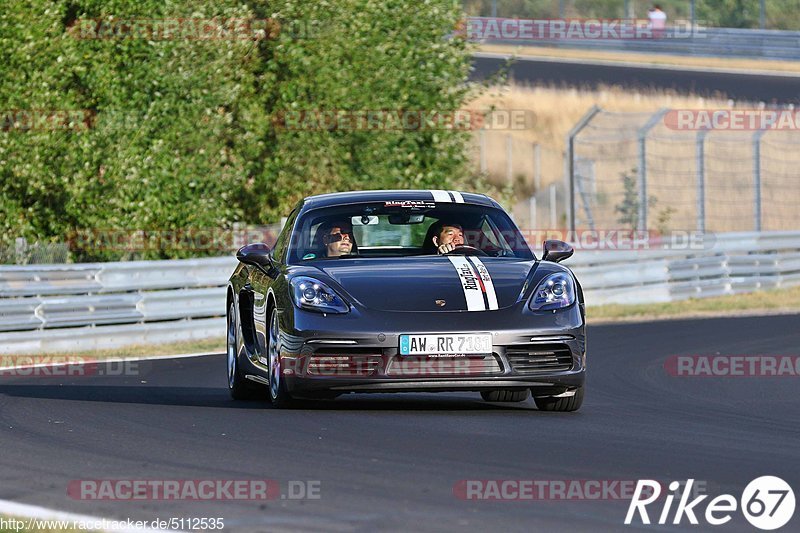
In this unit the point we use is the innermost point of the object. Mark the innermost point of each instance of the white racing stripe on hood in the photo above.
(441, 196)
(469, 283)
(458, 197)
(491, 296)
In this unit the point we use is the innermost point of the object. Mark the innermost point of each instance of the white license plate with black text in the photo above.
(446, 344)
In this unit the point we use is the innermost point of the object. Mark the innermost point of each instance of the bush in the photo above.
(181, 133)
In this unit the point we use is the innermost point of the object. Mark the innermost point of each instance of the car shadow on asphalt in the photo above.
(219, 398)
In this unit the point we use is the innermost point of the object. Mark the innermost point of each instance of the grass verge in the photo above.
(213, 345)
(646, 59)
(763, 302)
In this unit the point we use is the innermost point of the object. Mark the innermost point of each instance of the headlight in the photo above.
(554, 292)
(312, 294)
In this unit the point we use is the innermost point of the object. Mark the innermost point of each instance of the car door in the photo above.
(261, 282)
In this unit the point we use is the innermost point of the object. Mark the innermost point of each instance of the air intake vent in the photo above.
(412, 366)
(344, 365)
(539, 358)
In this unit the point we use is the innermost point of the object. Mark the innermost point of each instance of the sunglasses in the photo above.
(336, 237)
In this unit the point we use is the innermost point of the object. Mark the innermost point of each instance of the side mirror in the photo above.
(556, 251)
(257, 255)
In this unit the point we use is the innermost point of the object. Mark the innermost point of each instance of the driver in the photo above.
(448, 237)
(338, 239)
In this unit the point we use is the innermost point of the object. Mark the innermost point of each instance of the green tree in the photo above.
(729, 13)
(182, 133)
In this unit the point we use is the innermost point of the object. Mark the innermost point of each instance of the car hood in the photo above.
(431, 283)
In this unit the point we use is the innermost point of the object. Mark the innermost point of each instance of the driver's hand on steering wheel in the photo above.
(447, 247)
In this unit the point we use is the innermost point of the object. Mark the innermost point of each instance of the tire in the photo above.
(568, 404)
(505, 395)
(240, 388)
(278, 394)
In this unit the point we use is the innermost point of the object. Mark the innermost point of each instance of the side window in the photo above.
(488, 234)
(493, 240)
(282, 243)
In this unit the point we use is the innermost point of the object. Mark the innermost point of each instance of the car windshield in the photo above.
(405, 228)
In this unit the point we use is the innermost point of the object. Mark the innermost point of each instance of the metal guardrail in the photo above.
(46, 308)
(89, 278)
(56, 296)
(57, 308)
(87, 338)
(736, 263)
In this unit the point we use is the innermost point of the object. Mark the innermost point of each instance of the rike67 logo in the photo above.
(767, 503)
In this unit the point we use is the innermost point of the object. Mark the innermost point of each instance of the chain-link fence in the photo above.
(528, 170)
(21, 252)
(722, 170)
(765, 14)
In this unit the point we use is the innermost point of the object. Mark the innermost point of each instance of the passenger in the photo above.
(337, 239)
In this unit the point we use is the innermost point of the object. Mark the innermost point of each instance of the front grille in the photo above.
(343, 365)
(538, 358)
(421, 366)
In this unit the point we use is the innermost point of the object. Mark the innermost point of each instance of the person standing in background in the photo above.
(658, 21)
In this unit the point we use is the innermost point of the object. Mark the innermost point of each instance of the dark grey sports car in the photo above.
(400, 291)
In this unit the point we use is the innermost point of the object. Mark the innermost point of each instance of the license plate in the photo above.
(450, 344)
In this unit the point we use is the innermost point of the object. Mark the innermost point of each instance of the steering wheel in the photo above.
(465, 250)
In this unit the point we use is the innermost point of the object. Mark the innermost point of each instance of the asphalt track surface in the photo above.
(390, 462)
(737, 86)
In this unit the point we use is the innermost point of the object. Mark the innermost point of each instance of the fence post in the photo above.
(537, 166)
(553, 214)
(693, 14)
(20, 250)
(757, 177)
(237, 241)
(509, 159)
(494, 8)
(532, 215)
(643, 132)
(700, 161)
(586, 173)
(762, 22)
(570, 163)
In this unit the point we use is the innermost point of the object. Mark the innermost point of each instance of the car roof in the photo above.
(430, 195)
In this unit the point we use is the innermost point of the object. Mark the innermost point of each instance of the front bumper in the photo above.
(545, 352)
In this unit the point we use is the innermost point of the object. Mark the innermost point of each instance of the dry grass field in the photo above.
(609, 145)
